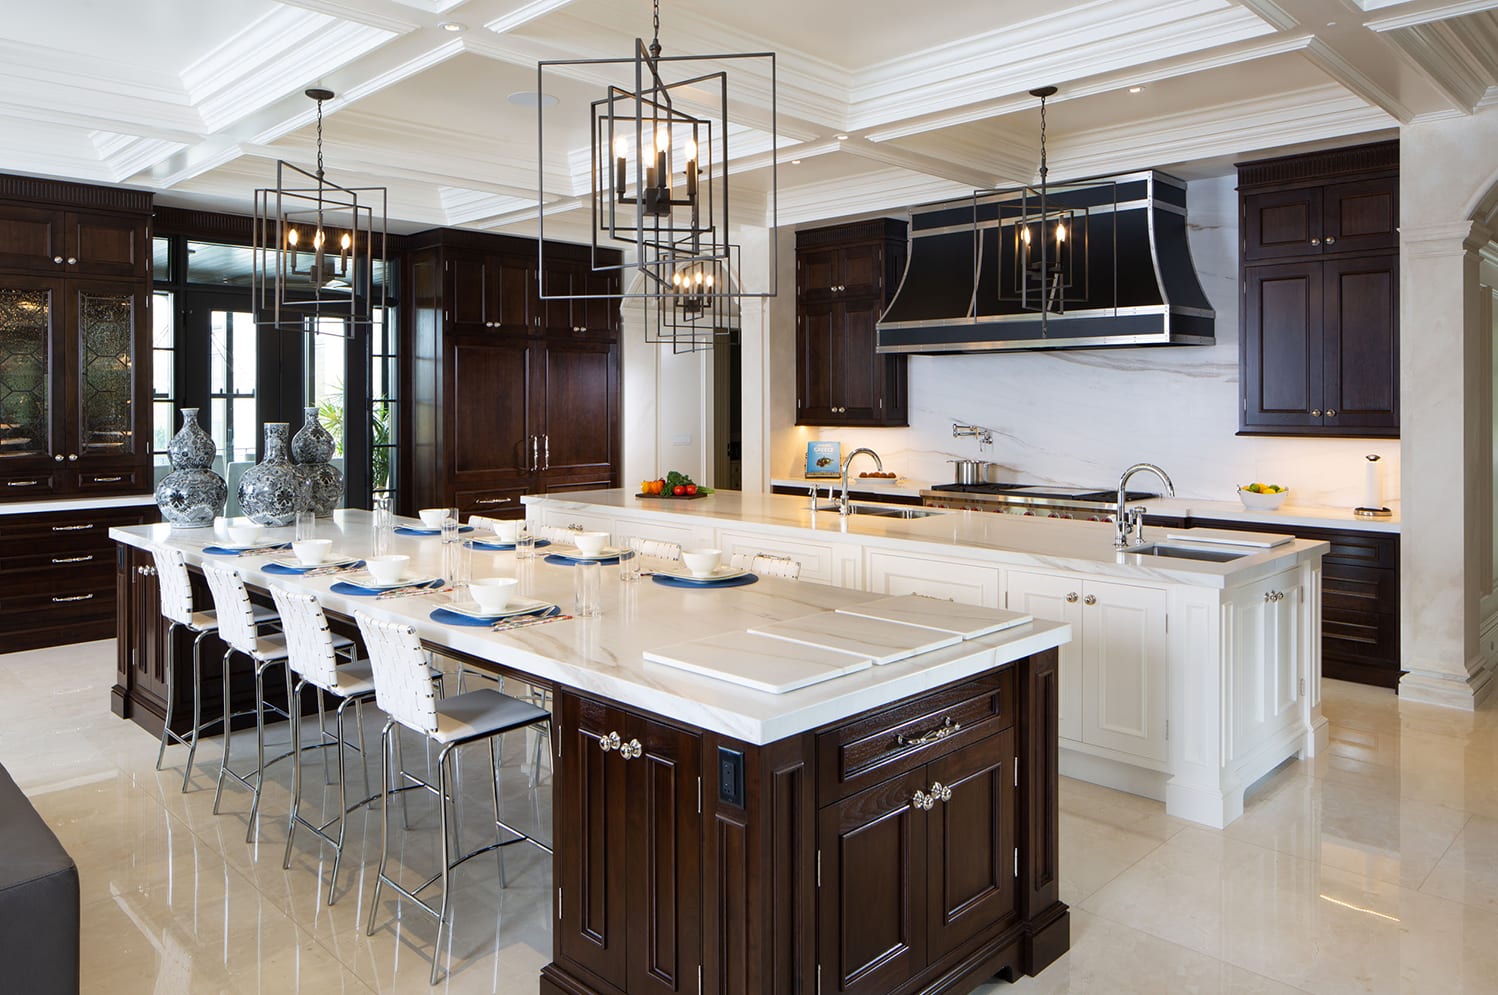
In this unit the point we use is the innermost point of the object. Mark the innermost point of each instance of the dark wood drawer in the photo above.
(38, 606)
(108, 481)
(889, 742)
(25, 486)
(85, 526)
(51, 566)
(1354, 635)
(1359, 589)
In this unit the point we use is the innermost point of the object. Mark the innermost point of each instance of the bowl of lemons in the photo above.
(1262, 497)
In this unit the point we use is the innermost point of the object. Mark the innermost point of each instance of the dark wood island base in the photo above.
(912, 848)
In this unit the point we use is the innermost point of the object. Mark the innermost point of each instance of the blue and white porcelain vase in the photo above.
(192, 495)
(313, 449)
(270, 492)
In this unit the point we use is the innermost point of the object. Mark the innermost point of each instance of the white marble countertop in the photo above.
(75, 504)
(604, 655)
(1288, 515)
(899, 486)
(1062, 544)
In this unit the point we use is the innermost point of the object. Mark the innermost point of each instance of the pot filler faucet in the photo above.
(1124, 522)
(842, 502)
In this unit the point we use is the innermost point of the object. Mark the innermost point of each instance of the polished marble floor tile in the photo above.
(1372, 868)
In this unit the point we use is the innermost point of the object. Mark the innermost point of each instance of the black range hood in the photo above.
(957, 296)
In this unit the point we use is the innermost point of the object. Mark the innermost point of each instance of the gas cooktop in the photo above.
(1050, 491)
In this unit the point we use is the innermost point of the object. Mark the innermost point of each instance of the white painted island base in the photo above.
(1185, 681)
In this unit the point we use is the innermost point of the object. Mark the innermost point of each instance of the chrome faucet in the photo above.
(842, 502)
(1124, 523)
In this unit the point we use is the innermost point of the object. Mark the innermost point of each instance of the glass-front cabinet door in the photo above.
(31, 386)
(110, 424)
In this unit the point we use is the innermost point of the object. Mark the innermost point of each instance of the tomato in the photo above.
(679, 490)
(691, 489)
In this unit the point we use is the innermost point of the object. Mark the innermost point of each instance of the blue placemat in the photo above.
(454, 618)
(743, 581)
(409, 530)
(281, 568)
(565, 562)
(255, 551)
(499, 547)
(355, 591)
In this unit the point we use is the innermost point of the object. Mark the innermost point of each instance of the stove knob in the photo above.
(1029, 513)
(1053, 515)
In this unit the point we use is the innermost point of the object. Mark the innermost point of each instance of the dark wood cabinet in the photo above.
(57, 575)
(628, 899)
(878, 854)
(75, 385)
(1320, 280)
(845, 277)
(510, 394)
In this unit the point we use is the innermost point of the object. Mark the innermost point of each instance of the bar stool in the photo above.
(177, 607)
(237, 628)
(403, 688)
(313, 658)
(554, 533)
(767, 565)
(658, 548)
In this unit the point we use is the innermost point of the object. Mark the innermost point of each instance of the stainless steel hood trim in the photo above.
(1133, 205)
(1031, 345)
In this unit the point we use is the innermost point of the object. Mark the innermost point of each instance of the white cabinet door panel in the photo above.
(1124, 669)
(1058, 599)
(907, 573)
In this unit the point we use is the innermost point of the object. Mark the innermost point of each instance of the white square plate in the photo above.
(517, 606)
(718, 575)
(292, 563)
(573, 553)
(368, 583)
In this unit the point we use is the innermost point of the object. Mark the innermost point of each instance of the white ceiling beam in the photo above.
(919, 162)
(524, 14)
(392, 17)
(1334, 64)
(1428, 13)
(887, 191)
(1273, 13)
(1444, 57)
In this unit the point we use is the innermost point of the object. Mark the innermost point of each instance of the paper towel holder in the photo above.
(1363, 511)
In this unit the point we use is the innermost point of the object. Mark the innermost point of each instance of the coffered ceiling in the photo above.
(882, 103)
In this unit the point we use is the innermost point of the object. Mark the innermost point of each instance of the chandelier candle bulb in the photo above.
(621, 165)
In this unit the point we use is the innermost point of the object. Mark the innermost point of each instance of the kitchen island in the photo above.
(1186, 681)
(892, 830)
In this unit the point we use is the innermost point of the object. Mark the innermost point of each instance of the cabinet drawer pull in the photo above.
(494, 500)
(1331, 412)
(940, 792)
(1091, 599)
(921, 802)
(1071, 597)
(72, 597)
(72, 260)
(22, 483)
(609, 742)
(57, 260)
(72, 528)
(72, 457)
(1315, 412)
(1331, 240)
(631, 749)
(1315, 241)
(948, 727)
(73, 559)
(108, 480)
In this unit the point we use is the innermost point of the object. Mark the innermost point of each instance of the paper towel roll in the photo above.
(1372, 487)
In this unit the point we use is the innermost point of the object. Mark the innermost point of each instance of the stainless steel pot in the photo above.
(969, 471)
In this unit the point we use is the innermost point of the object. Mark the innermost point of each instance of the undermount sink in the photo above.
(1191, 553)
(887, 511)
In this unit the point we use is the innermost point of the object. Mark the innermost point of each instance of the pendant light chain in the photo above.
(1043, 167)
(655, 24)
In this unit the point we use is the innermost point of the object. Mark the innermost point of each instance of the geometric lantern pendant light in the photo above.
(316, 247)
(658, 183)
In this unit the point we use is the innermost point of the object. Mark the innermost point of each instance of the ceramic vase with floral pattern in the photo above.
(270, 492)
(313, 449)
(192, 495)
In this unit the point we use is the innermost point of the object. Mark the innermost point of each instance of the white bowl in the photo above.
(388, 569)
(245, 534)
(1262, 502)
(507, 529)
(311, 552)
(590, 543)
(432, 517)
(701, 562)
(492, 593)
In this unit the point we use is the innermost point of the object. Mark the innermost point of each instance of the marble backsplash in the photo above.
(1080, 417)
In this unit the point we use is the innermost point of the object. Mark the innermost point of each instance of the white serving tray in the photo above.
(762, 663)
(1228, 537)
(967, 621)
(882, 641)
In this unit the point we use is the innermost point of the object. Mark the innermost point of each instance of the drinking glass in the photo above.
(629, 560)
(587, 589)
(525, 546)
(457, 566)
(384, 525)
(450, 526)
(306, 525)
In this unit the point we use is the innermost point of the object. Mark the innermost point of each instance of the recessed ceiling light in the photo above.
(841, 138)
(453, 26)
(795, 162)
(1136, 89)
(529, 98)
(1331, 24)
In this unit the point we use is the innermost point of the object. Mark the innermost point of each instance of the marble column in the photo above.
(1444, 405)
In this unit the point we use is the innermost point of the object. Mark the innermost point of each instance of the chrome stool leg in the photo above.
(171, 691)
(197, 706)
